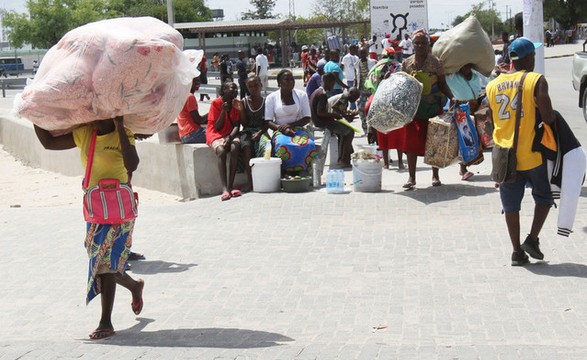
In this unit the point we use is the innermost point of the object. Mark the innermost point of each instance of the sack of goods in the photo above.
(395, 102)
(466, 43)
(442, 144)
(132, 67)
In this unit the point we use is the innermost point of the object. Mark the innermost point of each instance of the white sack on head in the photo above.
(466, 43)
(125, 66)
(395, 102)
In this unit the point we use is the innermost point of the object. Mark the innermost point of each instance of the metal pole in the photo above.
(170, 15)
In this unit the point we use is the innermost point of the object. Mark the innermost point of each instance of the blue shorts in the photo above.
(512, 193)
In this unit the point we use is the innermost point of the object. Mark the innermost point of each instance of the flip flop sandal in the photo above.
(409, 185)
(467, 176)
(436, 183)
(225, 196)
(236, 193)
(137, 307)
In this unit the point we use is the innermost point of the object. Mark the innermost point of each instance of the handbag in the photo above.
(504, 159)
(109, 202)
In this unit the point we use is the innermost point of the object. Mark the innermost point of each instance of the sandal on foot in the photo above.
(467, 176)
(137, 306)
(436, 183)
(135, 256)
(235, 193)
(100, 334)
(225, 196)
(409, 185)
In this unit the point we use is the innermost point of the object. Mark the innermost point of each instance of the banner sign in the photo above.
(397, 17)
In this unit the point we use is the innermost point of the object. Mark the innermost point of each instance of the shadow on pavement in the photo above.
(558, 270)
(447, 192)
(226, 338)
(148, 267)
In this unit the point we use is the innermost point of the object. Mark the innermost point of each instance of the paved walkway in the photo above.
(393, 275)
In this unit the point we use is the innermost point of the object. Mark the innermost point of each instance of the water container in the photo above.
(367, 176)
(266, 174)
(331, 181)
(340, 181)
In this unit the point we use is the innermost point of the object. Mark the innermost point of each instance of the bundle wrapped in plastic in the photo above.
(133, 67)
(466, 43)
(442, 143)
(395, 102)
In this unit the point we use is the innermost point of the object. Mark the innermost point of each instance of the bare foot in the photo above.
(225, 196)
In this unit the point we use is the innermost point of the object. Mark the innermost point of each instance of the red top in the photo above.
(231, 120)
(202, 65)
(185, 123)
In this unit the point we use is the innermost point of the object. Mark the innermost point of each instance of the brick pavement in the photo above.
(306, 276)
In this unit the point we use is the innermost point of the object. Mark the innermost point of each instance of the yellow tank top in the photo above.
(502, 96)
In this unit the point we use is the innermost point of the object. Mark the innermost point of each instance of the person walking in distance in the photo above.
(503, 94)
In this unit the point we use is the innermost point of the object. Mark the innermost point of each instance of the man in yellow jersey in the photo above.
(502, 94)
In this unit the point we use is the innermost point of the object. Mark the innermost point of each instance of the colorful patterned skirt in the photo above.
(296, 152)
(108, 247)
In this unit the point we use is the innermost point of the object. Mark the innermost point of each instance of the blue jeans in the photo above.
(195, 137)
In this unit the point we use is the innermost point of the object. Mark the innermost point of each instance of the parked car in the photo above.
(580, 79)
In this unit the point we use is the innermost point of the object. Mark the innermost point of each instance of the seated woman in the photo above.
(287, 111)
(189, 120)
(223, 125)
(254, 125)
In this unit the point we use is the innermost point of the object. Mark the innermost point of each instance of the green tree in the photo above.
(489, 19)
(48, 20)
(566, 12)
(343, 10)
(263, 9)
(310, 36)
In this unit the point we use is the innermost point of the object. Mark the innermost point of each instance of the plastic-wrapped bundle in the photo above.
(442, 144)
(126, 66)
(466, 43)
(395, 102)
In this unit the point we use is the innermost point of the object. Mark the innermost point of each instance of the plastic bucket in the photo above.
(370, 148)
(367, 176)
(266, 174)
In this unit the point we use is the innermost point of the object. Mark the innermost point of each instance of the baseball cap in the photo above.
(321, 63)
(305, 47)
(522, 47)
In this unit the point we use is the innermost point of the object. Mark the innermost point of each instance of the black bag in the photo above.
(504, 159)
(504, 164)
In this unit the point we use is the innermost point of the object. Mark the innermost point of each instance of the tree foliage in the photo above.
(48, 20)
(263, 9)
(566, 12)
(342, 10)
(489, 19)
(310, 36)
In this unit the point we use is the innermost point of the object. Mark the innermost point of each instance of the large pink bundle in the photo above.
(127, 66)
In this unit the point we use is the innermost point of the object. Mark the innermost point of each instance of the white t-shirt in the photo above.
(385, 43)
(407, 47)
(262, 63)
(286, 114)
(373, 46)
(351, 66)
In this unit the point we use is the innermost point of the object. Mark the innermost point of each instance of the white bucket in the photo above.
(266, 174)
(367, 176)
(370, 148)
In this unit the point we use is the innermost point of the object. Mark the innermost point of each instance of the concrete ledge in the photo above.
(188, 171)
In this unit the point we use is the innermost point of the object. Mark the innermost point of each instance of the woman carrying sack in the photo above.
(427, 69)
(108, 245)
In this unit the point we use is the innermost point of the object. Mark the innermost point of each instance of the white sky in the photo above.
(439, 11)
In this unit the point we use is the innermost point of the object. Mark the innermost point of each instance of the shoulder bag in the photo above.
(109, 202)
(504, 158)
